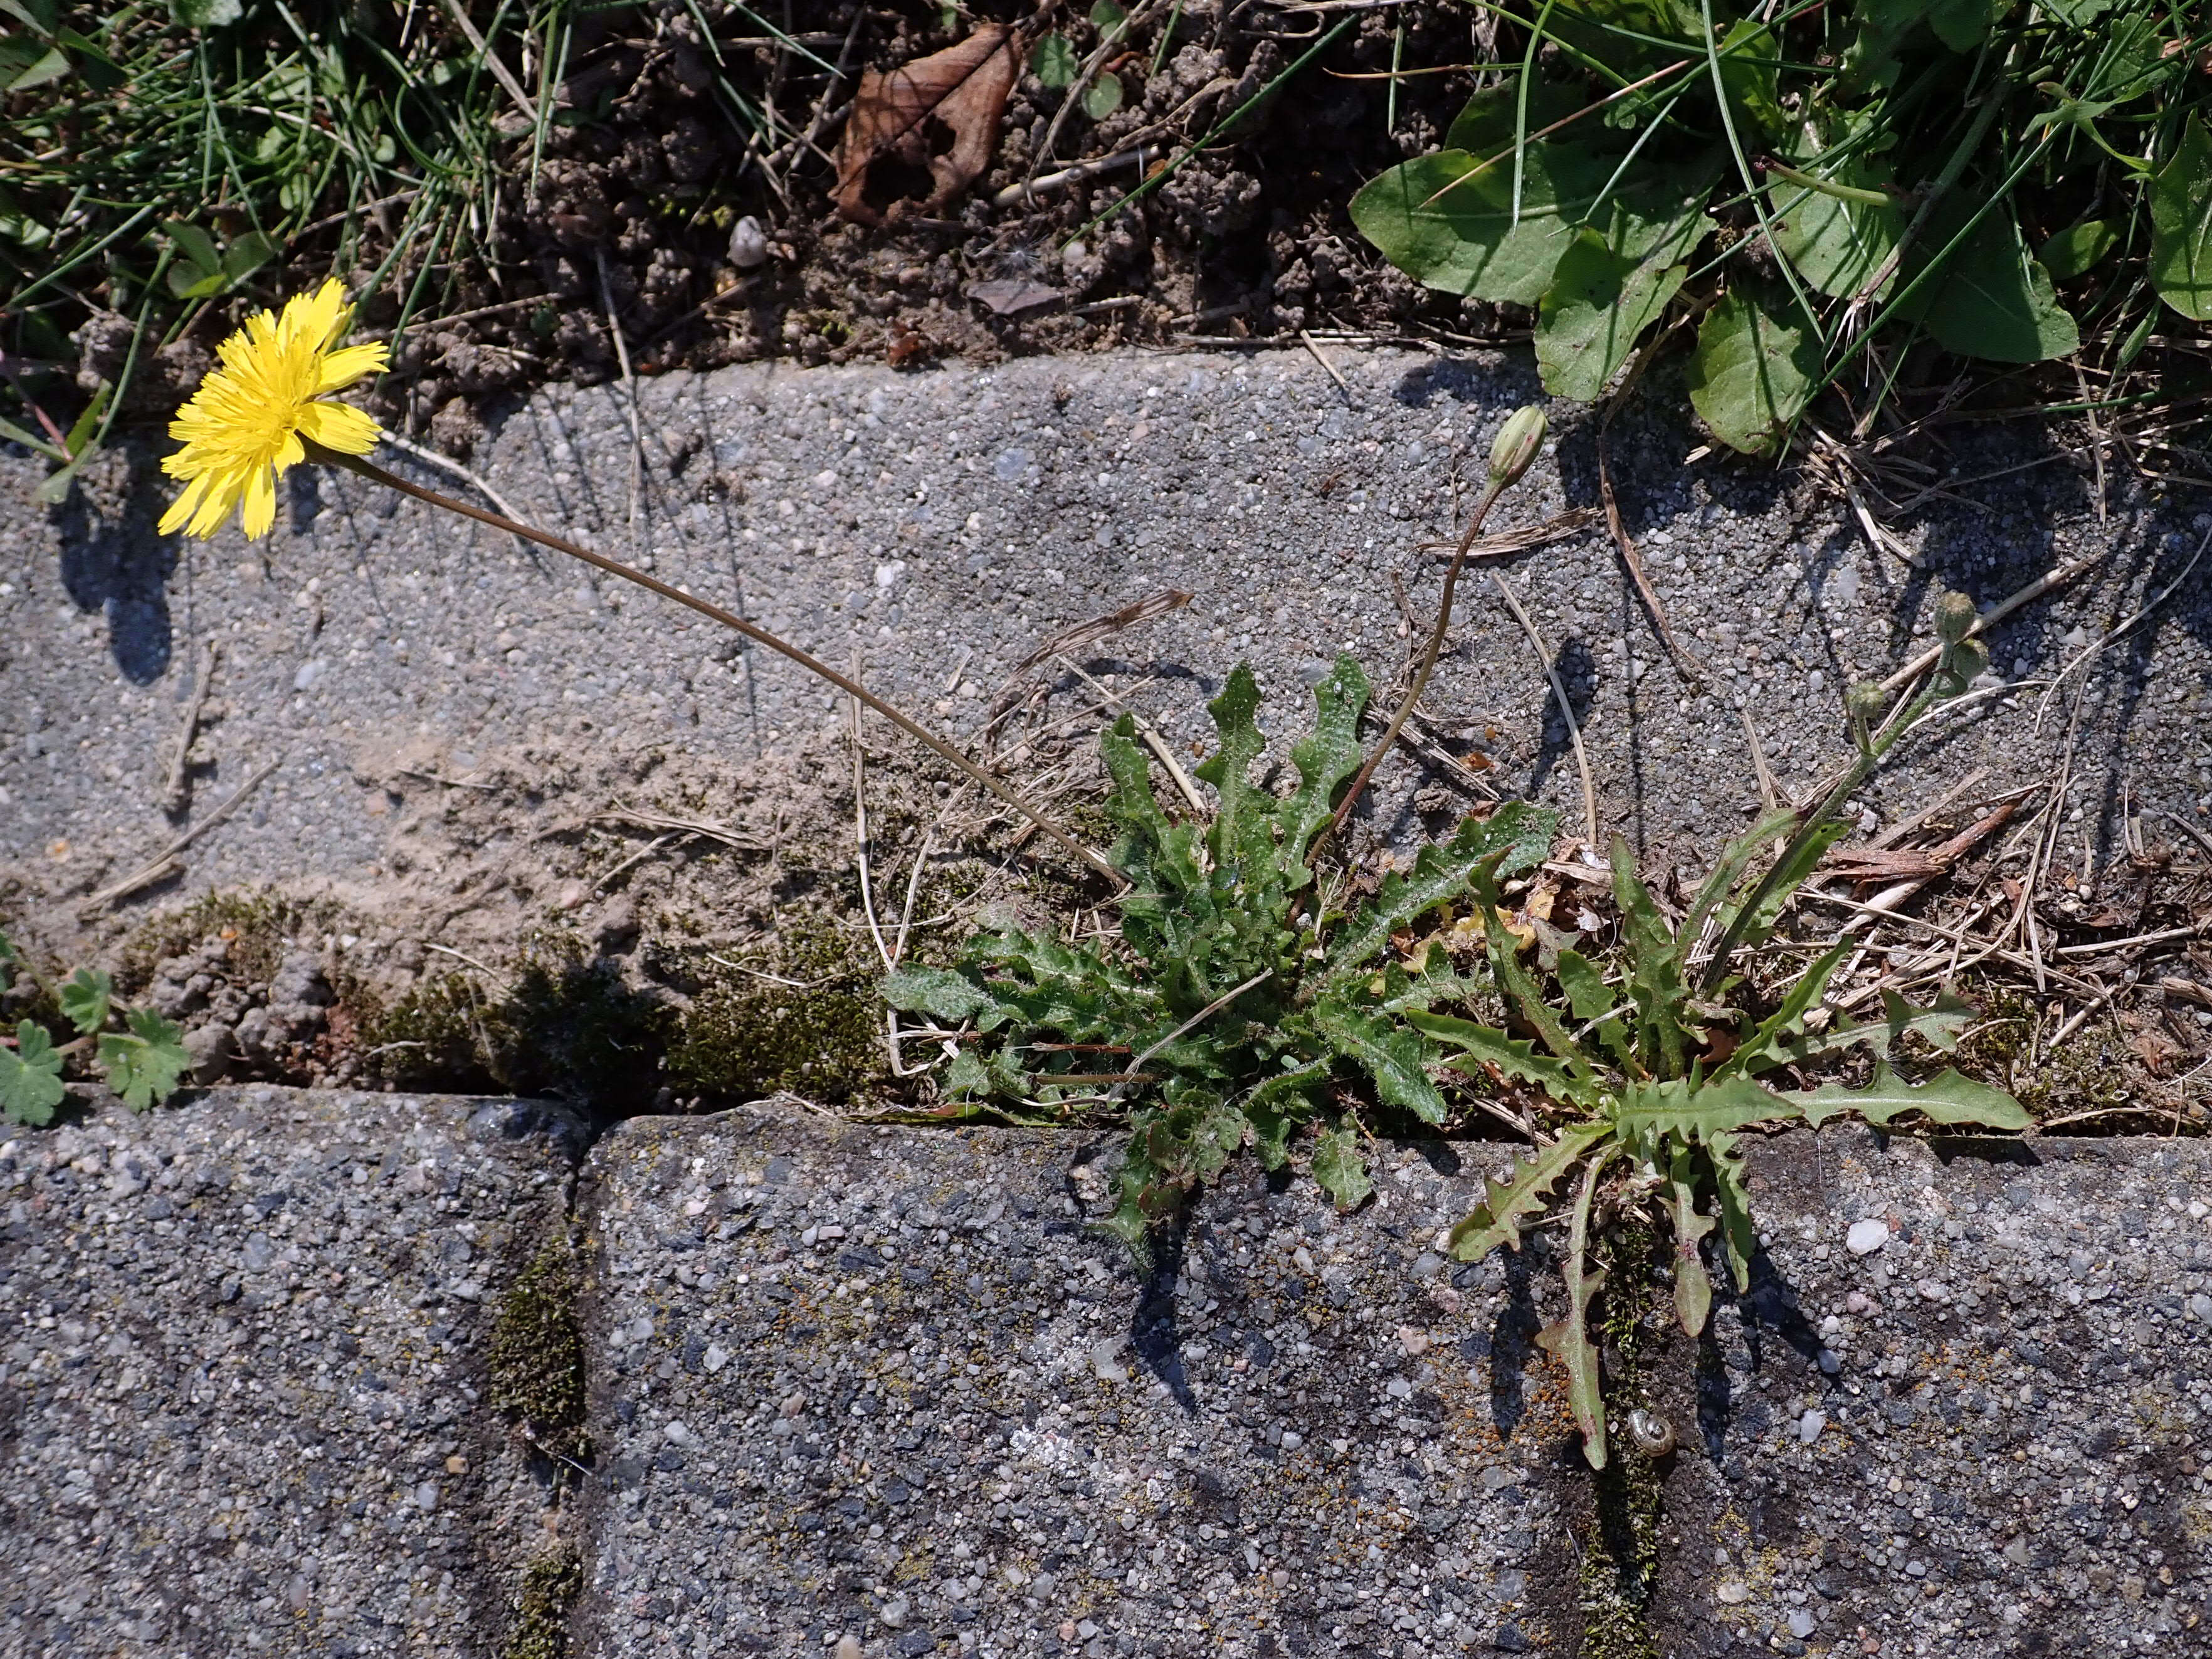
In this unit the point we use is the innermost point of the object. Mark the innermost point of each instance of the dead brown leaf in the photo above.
(926, 130)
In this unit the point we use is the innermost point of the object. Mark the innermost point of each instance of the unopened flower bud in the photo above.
(1518, 441)
(1955, 616)
(1864, 702)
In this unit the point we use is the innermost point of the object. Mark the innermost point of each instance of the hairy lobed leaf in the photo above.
(1517, 835)
(1683, 1111)
(1512, 1055)
(1738, 1235)
(86, 997)
(1592, 1002)
(1339, 1169)
(1326, 758)
(1773, 1043)
(1386, 1051)
(938, 992)
(1506, 1203)
(144, 1064)
(1694, 1287)
(1567, 1338)
(1655, 985)
(1946, 1098)
(30, 1078)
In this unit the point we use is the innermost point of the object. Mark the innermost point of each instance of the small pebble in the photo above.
(1865, 1236)
(1801, 1624)
(1808, 1431)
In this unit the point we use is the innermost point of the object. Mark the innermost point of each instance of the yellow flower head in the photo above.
(243, 425)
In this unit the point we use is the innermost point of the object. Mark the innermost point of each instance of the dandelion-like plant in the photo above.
(253, 419)
(267, 408)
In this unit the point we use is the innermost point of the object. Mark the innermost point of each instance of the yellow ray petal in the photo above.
(180, 510)
(340, 426)
(342, 367)
(260, 502)
(222, 496)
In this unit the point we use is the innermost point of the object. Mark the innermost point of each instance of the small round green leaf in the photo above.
(1053, 63)
(1103, 97)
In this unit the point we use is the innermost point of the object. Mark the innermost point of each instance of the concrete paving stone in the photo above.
(242, 1388)
(1989, 1435)
(883, 1383)
(939, 525)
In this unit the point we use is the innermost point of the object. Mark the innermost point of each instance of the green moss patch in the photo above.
(551, 1584)
(535, 1353)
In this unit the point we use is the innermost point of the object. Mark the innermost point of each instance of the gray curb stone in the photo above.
(242, 1385)
(883, 1383)
(880, 1384)
(1988, 1434)
(940, 527)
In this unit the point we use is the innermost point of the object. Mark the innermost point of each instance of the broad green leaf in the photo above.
(247, 255)
(1735, 857)
(43, 15)
(1590, 318)
(1280, 1105)
(30, 1078)
(1506, 1203)
(1751, 73)
(1103, 96)
(195, 249)
(94, 67)
(1800, 859)
(1242, 836)
(87, 423)
(2078, 248)
(1940, 1026)
(1054, 62)
(1655, 985)
(1486, 124)
(1386, 1052)
(145, 1066)
(1591, 999)
(1520, 991)
(1512, 1055)
(1326, 758)
(2181, 225)
(968, 1077)
(1674, 1111)
(23, 65)
(1836, 245)
(1448, 220)
(1517, 835)
(85, 997)
(1870, 62)
(1567, 1338)
(1694, 1287)
(1339, 1169)
(1987, 298)
(938, 992)
(1754, 368)
(1946, 1098)
(2080, 12)
(1963, 24)
(1775, 1041)
(1738, 1235)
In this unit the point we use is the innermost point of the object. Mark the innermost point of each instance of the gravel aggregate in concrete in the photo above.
(884, 1384)
(242, 1394)
(937, 526)
(1990, 1434)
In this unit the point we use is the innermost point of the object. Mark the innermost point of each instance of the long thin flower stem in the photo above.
(375, 474)
(1496, 488)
